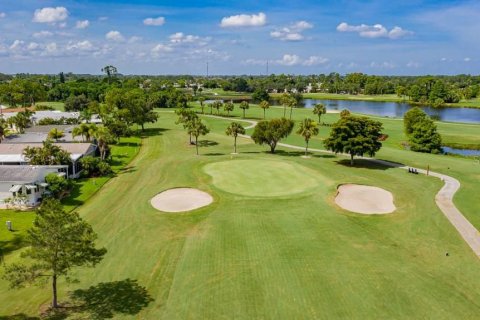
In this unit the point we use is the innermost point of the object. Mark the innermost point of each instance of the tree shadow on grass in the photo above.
(7, 246)
(207, 143)
(366, 164)
(108, 299)
(150, 132)
(214, 154)
(19, 316)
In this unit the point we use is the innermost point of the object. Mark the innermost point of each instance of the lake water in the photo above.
(397, 110)
(463, 152)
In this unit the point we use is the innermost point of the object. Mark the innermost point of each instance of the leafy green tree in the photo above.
(271, 132)
(57, 185)
(308, 128)
(47, 155)
(197, 128)
(264, 105)
(55, 134)
(118, 128)
(76, 103)
(234, 129)
(228, 106)
(424, 137)
(260, 95)
(94, 167)
(185, 117)
(345, 113)
(319, 109)
(355, 136)
(244, 105)
(411, 117)
(58, 242)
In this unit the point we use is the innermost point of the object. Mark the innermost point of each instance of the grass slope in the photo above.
(272, 258)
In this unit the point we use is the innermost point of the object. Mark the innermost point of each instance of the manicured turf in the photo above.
(21, 222)
(268, 258)
(264, 178)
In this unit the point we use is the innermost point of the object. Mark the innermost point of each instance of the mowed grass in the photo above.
(263, 178)
(270, 258)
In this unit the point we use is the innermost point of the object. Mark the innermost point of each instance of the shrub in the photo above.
(94, 167)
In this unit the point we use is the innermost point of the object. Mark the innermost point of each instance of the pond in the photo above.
(397, 110)
(462, 152)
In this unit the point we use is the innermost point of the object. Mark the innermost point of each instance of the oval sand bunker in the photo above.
(364, 199)
(180, 200)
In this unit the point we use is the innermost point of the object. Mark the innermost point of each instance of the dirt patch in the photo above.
(181, 200)
(364, 199)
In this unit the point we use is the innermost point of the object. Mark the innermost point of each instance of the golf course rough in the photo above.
(263, 178)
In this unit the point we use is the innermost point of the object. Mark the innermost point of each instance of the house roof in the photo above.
(35, 137)
(46, 129)
(13, 152)
(47, 114)
(23, 174)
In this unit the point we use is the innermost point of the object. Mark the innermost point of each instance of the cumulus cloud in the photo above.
(2, 15)
(160, 49)
(84, 45)
(244, 20)
(160, 21)
(382, 65)
(292, 32)
(82, 24)
(114, 36)
(375, 31)
(50, 15)
(289, 60)
(42, 34)
(314, 60)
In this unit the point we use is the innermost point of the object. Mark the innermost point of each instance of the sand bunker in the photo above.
(364, 199)
(180, 200)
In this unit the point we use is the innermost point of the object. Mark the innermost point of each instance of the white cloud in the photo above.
(375, 31)
(84, 45)
(413, 64)
(289, 60)
(32, 46)
(255, 62)
(467, 59)
(50, 15)
(2, 15)
(82, 24)
(160, 21)
(114, 36)
(16, 45)
(244, 20)
(382, 65)
(314, 60)
(160, 49)
(292, 32)
(42, 34)
(134, 39)
(102, 18)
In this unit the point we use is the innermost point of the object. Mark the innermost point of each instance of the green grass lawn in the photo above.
(21, 222)
(286, 257)
(56, 105)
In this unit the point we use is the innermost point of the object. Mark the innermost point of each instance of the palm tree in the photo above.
(233, 130)
(55, 134)
(202, 103)
(217, 105)
(229, 106)
(319, 109)
(86, 131)
(308, 128)
(244, 106)
(104, 138)
(197, 128)
(264, 105)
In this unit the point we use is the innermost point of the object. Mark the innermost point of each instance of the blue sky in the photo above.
(407, 37)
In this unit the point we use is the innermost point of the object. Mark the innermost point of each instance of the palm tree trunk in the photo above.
(196, 143)
(235, 144)
(243, 113)
(54, 289)
(351, 159)
(263, 114)
(306, 148)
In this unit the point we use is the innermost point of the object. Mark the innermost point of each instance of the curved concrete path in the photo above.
(443, 199)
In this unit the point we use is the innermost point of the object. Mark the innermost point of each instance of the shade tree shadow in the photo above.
(108, 299)
(367, 164)
(207, 143)
(19, 316)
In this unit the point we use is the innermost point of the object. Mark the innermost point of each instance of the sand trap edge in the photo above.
(388, 205)
(181, 199)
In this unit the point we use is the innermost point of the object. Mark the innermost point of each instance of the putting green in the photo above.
(263, 178)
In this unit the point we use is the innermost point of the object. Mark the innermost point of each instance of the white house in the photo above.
(26, 184)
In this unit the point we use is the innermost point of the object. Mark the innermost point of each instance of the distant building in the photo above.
(38, 134)
(25, 184)
(12, 154)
